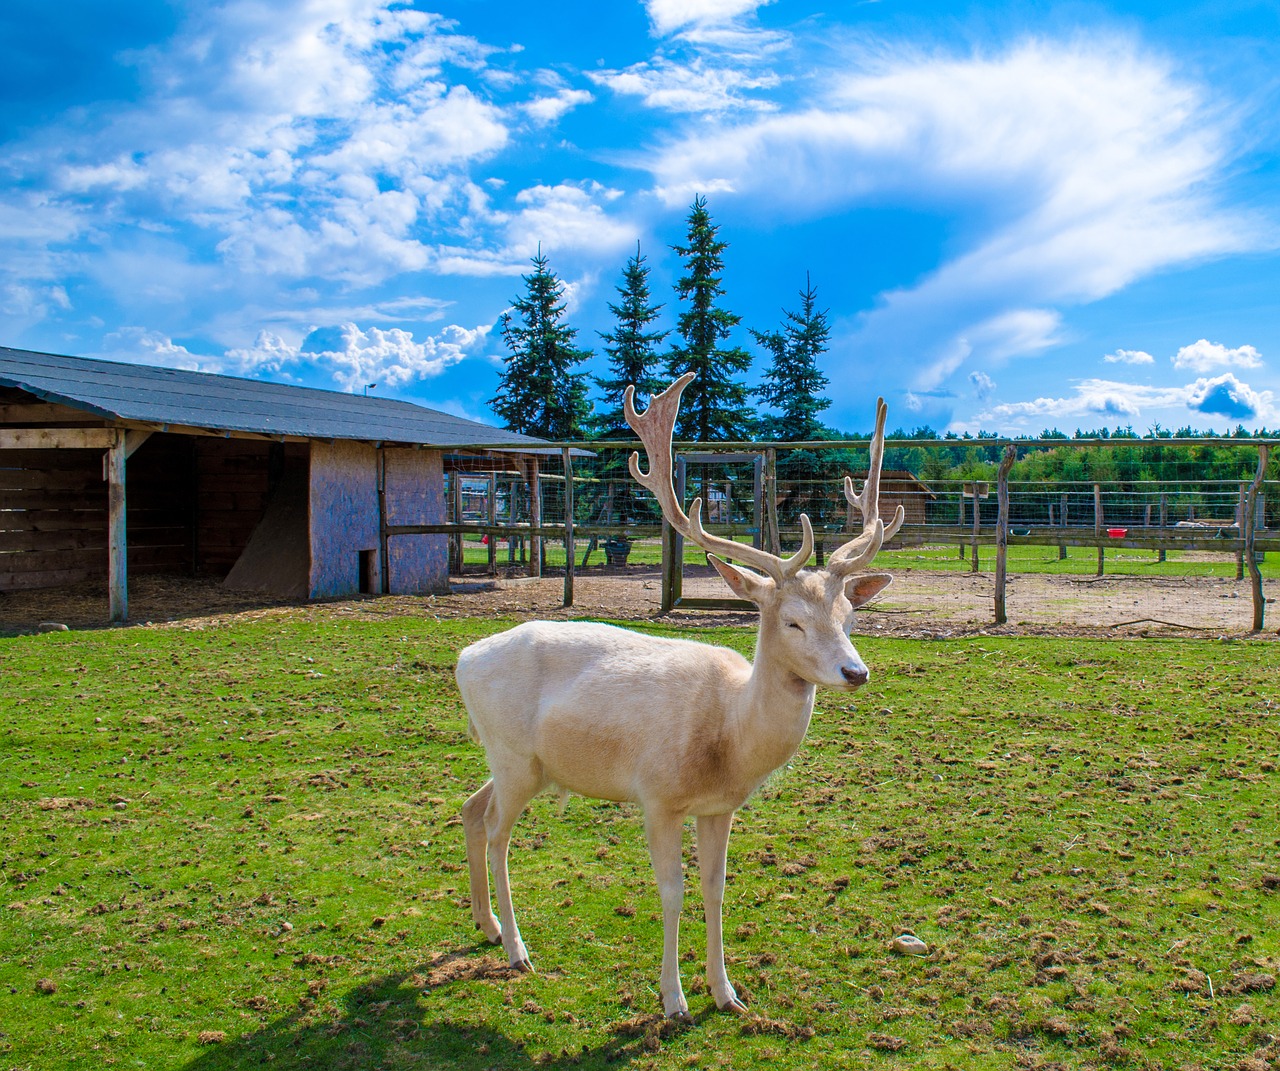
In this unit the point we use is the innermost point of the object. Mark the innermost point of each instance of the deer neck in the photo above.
(775, 709)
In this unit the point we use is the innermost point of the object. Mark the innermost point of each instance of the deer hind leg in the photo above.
(665, 833)
(713, 849)
(473, 812)
(508, 798)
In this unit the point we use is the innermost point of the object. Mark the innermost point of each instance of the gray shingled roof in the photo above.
(136, 392)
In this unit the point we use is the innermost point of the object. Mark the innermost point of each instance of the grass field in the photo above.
(1080, 561)
(234, 846)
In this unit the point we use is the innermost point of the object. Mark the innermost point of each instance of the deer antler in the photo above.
(655, 428)
(858, 552)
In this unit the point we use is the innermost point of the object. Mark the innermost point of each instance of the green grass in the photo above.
(1080, 561)
(249, 832)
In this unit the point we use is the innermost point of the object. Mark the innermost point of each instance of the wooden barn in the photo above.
(899, 487)
(109, 468)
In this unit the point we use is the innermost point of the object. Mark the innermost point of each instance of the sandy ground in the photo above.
(922, 603)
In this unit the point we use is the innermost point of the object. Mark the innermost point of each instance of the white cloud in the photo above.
(1084, 166)
(983, 384)
(140, 345)
(547, 110)
(1129, 357)
(1205, 356)
(354, 358)
(1101, 401)
(695, 86)
(668, 16)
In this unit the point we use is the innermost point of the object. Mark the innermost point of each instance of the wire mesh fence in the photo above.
(1141, 508)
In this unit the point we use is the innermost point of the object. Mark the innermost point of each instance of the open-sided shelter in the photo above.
(107, 468)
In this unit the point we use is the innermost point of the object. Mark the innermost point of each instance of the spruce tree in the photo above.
(715, 405)
(793, 384)
(631, 348)
(539, 393)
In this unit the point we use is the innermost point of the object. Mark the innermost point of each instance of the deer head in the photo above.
(805, 617)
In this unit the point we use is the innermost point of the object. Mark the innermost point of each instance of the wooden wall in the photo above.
(419, 564)
(344, 516)
(53, 518)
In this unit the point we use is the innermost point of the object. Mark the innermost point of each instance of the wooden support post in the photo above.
(117, 532)
(1002, 528)
(1164, 521)
(535, 518)
(1097, 522)
(456, 550)
(959, 520)
(673, 550)
(1062, 520)
(1250, 527)
(568, 526)
(771, 500)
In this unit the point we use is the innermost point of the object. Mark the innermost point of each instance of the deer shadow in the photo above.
(390, 1020)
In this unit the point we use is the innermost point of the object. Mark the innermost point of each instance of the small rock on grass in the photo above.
(52, 626)
(909, 945)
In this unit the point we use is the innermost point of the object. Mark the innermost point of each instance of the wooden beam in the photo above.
(117, 531)
(133, 438)
(57, 438)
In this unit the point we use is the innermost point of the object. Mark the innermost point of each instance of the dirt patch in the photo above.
(920, 603)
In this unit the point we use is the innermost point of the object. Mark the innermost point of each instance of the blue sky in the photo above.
(1020, 216)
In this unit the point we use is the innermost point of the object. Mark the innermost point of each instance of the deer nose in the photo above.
(855, 675)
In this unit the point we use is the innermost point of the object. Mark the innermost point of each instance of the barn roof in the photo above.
(177, 399)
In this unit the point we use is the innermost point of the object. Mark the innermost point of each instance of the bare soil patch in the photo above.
(921, 603)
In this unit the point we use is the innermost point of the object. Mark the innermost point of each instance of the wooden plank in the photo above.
(34, 579)
(44, 413)
(57, 438)
(12, 542)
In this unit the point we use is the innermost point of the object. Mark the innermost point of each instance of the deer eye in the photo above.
(795, 625)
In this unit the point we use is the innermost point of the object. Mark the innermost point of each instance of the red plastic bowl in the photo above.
(1117, 533)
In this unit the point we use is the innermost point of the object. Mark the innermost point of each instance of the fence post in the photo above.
(771, 500)
(1250, 525)
(491, 515)
(977, 525)
(117, 531)
(456, 548)
(568, 526)
(1002, 528)
(1062, 520)
(1097, 522)
(959, 521)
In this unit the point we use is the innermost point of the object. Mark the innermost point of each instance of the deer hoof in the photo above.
(524, 966)
(680, 1016)
(734, 1005)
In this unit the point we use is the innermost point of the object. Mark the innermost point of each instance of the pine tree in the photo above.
(715, 405)
(539, 393)
(793, 383)
(631, 348)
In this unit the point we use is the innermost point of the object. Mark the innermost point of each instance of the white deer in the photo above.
(679, 727)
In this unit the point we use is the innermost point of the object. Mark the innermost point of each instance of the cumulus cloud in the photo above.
(1226, 396)
(1086, 165)
(354, 358)
(1129, 357)
(547, 110)
(1205, 356)
(1102, 400)
(140, 345)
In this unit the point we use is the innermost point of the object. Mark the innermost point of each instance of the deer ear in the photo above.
(864, 588)
(746, 585)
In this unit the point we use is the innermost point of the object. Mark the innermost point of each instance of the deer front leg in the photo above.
(713, 850)
(665, 832)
